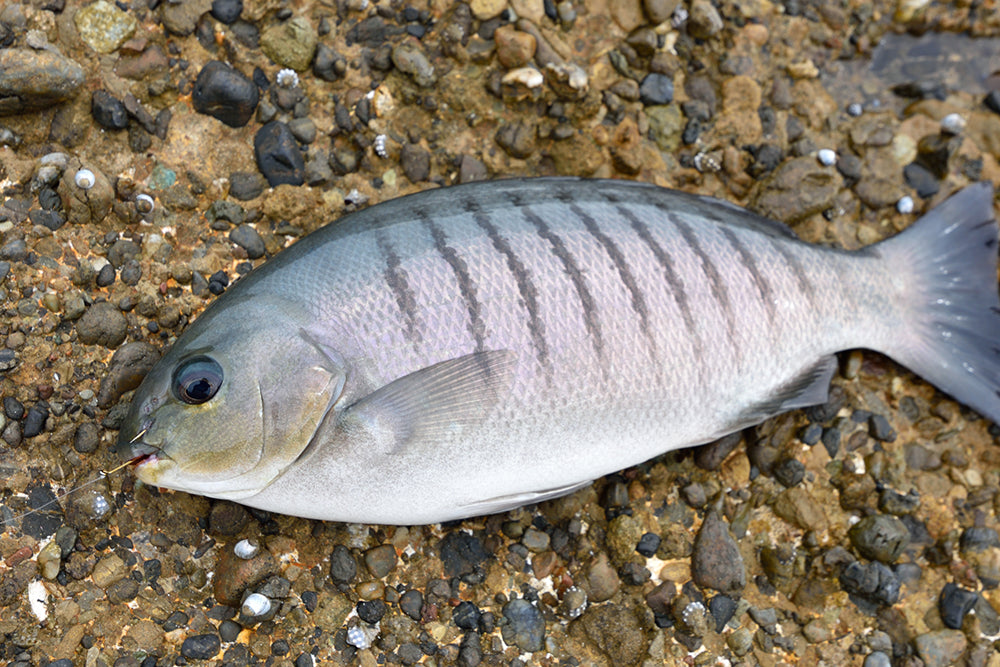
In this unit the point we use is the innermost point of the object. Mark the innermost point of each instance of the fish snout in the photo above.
(133, 446)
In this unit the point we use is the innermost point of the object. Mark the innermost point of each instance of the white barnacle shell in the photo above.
(287, 78)
(827, 157)
(246, 549)
(84, 179)
(707, 162)
(905, 204)
(688, 615)
(358, 637)
(144, 203)
(679, 18)
(380, 148)
(256, 605)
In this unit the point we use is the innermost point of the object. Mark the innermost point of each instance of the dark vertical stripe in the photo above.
(764, 288)
(399, 284)
(674, 281)
(563, 254)
(466, 286)
(625, 274)
(805, 286)
(525, 286)
(716, 284)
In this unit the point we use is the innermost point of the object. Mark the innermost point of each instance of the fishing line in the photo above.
(102, 475)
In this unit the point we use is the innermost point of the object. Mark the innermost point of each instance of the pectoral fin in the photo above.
(433, 403)
(504, 503)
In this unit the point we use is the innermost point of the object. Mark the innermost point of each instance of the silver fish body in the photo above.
(467, 350)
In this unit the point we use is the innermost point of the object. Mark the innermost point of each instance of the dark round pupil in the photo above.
(197, 380)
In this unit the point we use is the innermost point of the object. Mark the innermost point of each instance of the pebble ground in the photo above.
(153, 152)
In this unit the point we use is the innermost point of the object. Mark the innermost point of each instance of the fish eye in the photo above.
(197, 380)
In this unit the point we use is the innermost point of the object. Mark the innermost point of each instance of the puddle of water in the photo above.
(955, 61)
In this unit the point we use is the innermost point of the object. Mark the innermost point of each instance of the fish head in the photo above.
(233, 404)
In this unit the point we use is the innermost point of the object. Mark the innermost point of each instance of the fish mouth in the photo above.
(136, 450)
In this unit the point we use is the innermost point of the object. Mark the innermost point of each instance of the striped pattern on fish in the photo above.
(500, 343)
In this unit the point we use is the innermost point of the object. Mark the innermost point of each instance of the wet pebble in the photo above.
(129, 365)
(466, 615)
(278, 156)
(722, 608)
(224, 93)
(234, 575)
(877, 659)
(249, 239)
(921, 179)
(703, 20)
(86, 438)
(15, 250)
(303, 129)
(328, 64)
(343, 567)
(461, 553)
(873, 582)
(36, 79)
(602, 579)
(790, 472)
(409, 58)
(291, 43)
(200, 647)
(108, 111)
(656, 89)
(371, 611)
(716, 561)
(954, 603)
(740, 641)
(13, 408)
(880, 537)
(525, 625)
(411, 602)
(381, 560)
(940, 648)
(648, 544)
(34, 421)
(245, 186)
(416, 162)
(535, 540)
(227, 11)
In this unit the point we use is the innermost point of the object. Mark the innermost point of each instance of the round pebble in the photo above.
(525, 624)
(201, 647)
(278, 156)
(880, 537)
(371, 611)
(227, 11)
(249, 239)
(656, 89)
(108, 111)
(224, 93)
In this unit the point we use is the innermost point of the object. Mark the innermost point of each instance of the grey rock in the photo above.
(880, 537)
(102, 324)
(381, 560)
(461, 553)
(15, 250)
(517, 139)
(247, 238)
(201, 647)
(343, 567)
(704, 21)
(525, 625)
(716, 561)
(954, 603)
(877, 659)
(409, 58)
(416, 163)
(941, 648)
(86, 438)
(129, 365)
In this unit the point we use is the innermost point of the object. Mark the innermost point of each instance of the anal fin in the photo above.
(810, 387)
(510, 501)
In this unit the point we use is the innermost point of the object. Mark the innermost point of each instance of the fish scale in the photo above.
(466, 350)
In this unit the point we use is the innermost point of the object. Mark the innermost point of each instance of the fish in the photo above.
(470, 349)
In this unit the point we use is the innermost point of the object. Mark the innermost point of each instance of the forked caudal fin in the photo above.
(951, 336)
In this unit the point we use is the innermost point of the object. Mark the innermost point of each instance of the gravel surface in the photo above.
(151, 153)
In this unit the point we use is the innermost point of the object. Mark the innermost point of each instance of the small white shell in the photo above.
(905, 204)
(380, 149)
(246, 549)
(953, 123)
(855, 109)
(826, 157)
(144, 203)
(679, 17)
(529, 77)
(287, 78)
(84, 179)
(256, 605)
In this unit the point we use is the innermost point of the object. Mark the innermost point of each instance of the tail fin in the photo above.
(953, 337)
